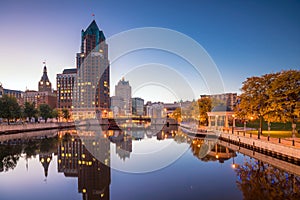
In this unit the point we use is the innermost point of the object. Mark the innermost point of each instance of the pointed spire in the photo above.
(92, 27)
(44, 83)
(45, 69)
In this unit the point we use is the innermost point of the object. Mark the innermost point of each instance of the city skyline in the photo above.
(243, 39)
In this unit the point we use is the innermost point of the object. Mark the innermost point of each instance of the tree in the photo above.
(29, 110)
(66, 114)
(285, 90)
(176, 114)
(273, 97)
(9, 108)
(45, 111)
(205, 105)
(56, 114)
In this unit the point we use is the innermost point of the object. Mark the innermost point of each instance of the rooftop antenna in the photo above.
(93, 15)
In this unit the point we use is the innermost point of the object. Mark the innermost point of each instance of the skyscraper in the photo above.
(91, 92)
(123, 90)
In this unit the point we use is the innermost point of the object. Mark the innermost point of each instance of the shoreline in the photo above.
(13, 129)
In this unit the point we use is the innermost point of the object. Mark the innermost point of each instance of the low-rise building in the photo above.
(18, 94)
(226, 99)
(39, 98)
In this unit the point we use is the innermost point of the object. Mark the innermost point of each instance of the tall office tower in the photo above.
(45, 84)
(123, 90)
(91, 92)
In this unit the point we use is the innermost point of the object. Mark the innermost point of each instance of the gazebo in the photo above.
(219, 116)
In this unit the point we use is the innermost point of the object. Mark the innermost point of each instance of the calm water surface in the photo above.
(135, 164)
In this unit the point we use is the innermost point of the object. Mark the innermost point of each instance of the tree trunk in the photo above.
(294, 129)
(269, 128)
(260, 126)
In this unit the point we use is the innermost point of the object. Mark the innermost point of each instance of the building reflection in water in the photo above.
(168, 132)
(88, 158)
(207, 150)
(45, 159)
(47, 147)
(123, 143)
(75, 160)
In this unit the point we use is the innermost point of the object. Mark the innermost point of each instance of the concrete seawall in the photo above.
(11, 129)
(280, 164)
(288, 148)
(288, 151)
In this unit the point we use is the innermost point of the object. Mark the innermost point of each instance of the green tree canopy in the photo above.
(66, 114)
(56, 113)
(9, 108)
(29, 109)
(45, 111)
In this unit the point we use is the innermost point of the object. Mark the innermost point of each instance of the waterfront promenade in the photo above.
(281, 147)
(284, 147)
(280, 164)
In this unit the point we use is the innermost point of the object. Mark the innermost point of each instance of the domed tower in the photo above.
(44, 83)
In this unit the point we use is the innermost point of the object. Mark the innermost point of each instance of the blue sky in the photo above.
(244, 38)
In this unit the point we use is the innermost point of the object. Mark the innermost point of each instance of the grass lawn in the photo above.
(275, 126)
(276, 134)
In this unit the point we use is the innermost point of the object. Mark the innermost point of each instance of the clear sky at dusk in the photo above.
(244, 38)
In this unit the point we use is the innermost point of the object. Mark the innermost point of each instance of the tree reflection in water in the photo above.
(10, 152)
(9, 156)
(258, 180)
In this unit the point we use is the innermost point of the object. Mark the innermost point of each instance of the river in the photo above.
(137, 164)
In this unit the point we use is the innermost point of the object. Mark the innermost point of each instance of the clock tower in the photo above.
(44, 83)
